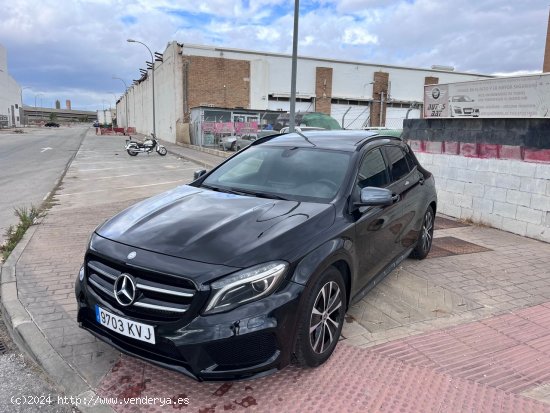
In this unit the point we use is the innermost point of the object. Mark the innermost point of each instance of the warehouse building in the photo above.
(242, 86)
(10, 94)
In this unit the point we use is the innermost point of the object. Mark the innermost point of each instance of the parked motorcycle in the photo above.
(135, 147)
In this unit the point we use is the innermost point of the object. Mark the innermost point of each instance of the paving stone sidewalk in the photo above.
(456, 286)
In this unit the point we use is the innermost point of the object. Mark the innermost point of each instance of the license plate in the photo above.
(123, 326)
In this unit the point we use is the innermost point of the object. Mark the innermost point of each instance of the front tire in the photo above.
(162, 151)
(424, 243)
(320, 325)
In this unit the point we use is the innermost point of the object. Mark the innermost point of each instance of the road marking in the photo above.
(139, 173)
(45, 149)
(127, 187)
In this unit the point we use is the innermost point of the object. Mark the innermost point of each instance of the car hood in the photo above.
(218, 228)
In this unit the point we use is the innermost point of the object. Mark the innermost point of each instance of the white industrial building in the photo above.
(10, 94)
(356, 94)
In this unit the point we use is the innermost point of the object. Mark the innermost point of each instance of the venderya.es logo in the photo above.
(436, 93)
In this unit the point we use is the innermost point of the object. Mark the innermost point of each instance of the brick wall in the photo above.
(323, 89)
(381, 80)
(218, 81)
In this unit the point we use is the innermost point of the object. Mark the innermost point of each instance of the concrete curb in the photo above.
(200, 162)
(28, 336)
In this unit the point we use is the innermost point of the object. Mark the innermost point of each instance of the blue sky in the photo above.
(71, 49)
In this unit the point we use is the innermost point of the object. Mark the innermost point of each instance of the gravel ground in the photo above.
(21, 378)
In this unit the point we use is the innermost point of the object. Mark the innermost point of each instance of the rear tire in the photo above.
(131, 152)
(425, 238)
(320, 324)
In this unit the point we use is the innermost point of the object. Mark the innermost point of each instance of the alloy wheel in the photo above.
(427, 231)
(326, 317)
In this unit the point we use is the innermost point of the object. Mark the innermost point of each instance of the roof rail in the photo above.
(367, 139)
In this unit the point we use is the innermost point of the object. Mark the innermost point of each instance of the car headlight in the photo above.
(245, 286)
(81, 274)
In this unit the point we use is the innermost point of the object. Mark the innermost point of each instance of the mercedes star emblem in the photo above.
(125, 290)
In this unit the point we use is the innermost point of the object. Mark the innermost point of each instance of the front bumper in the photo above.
(251, 340)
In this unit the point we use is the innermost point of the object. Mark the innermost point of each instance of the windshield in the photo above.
(306, 174)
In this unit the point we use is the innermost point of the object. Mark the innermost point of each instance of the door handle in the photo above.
(396, 198)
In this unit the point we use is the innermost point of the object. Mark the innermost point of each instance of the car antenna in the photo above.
(306, 138)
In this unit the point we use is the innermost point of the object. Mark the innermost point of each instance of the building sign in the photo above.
(512, 97)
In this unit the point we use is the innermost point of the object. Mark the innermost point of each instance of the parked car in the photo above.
(255, 263)
(462, 105)
(52, 125)
(245, 140)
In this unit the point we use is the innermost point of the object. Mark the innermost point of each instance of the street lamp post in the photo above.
(35, 96)
(21, 112)
(292, 118)
(125, 100)
(153, 80)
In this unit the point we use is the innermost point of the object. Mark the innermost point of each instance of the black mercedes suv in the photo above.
(253, 264)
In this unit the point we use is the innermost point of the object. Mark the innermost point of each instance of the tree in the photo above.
(53, 117)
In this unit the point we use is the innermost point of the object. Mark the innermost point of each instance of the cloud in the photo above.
(75, 47)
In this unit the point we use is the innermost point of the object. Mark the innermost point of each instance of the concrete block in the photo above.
(508, 181)
(449, 209)
(434, 147)
(466, 213)
(457, 161)
(505, 209)
(463, 201)
(499, 165)
(534, 186)
(474, 189)
(536, 155)
(455, 186)
(451, 148)
(533, 216)
(520, 168)
(518, 197)
(541, 202)
(483, 205)
(479, 164)
(425, 158)
(510, 152)
(469, 150)
(492, 220)
(466, 175)
(495, 194)
(515, 226)
(445, 197)
(486, 150)
(487, 178)
(542, 171)
(538, 232)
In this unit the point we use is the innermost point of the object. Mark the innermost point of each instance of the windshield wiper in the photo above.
(240, 191)
(226, 190)
(265, 195)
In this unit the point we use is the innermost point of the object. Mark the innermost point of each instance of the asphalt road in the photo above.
(30, 164)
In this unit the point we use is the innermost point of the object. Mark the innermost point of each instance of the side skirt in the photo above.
(380, 276)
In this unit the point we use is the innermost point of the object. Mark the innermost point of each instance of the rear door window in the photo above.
(399, 167)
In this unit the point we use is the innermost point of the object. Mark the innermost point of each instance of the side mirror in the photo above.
(372, 196)
(199, 173)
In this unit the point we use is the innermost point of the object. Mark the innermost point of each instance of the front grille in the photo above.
(158, 296)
